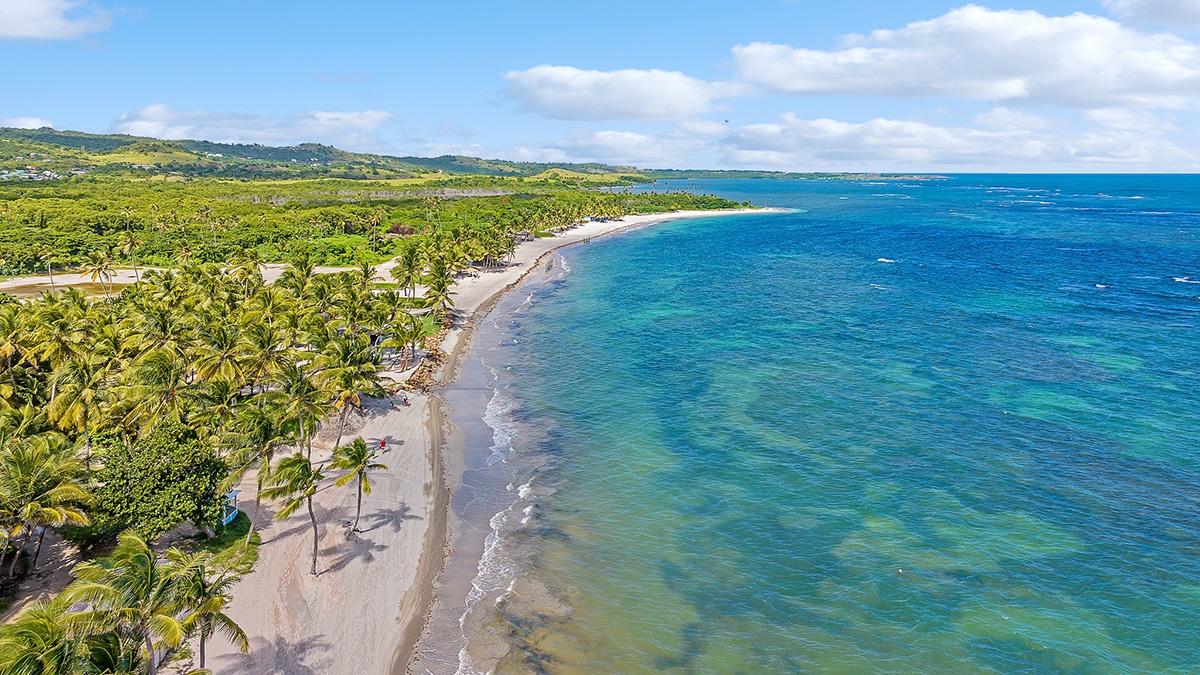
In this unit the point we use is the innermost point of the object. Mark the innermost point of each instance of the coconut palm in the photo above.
(264, 351)
(129, 244)
(409, 266)
(154, 389)
(40, 642)
(133, 593)
(41, 483)
(303, 399)
(204, 592)
(82, 393)
(99, 265)
(218, 353)
(48, 257)
(258, 432)
(295, 482)
(348, 368)
(355, 459)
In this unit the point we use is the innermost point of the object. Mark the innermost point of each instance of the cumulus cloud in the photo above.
(563, 92)
(50, 19)
(1076, 61)
(1164, 12)
(793, 142)
(350, 130)
(26, 122)
(1001, 118)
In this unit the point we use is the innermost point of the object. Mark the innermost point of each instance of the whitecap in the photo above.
(884, 260)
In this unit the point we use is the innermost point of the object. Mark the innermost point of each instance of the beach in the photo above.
(367, 609)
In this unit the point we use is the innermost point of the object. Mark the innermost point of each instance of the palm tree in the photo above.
(134, 593)
(409, 266)
(82, 393)
(438, 294)
(348, 368)
(40, 642)
(154, 389)
(264, 351)
(356, 460)
(295, 482)
(304, 398)
(259, 430)
(41, 484)
(129, 245)
(219, 353)
(48, 257)
(99, 265)
(205, 594)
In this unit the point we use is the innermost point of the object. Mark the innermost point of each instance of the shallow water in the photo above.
(938, 426)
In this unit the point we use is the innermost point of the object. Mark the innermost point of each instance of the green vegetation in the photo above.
(154, 483)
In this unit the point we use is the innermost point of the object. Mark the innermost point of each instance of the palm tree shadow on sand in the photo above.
(276, 657)
(393, 518)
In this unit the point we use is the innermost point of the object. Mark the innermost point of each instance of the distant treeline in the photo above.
(161, 223)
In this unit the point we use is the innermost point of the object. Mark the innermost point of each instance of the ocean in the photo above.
(917, 426)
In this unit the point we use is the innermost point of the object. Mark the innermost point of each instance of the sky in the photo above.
(805, 85)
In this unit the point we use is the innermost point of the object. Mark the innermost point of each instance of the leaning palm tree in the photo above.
(133, 593)
(295, 482)
(258, 431)
(39, 642)
(204, 592)
(41, 483)
(99, 266)
(356, 460)
(349, 368)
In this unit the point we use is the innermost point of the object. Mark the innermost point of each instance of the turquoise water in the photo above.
(910, 427)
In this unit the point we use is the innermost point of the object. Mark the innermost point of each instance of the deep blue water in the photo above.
(910, 427)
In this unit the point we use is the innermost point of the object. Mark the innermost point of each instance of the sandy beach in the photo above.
(367, 608)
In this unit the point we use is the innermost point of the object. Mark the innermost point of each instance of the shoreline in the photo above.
(379, 587)
(450, 373)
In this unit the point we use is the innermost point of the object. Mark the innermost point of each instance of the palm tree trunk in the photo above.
(151, 657)
(341, 428)
(37, 550)
(203, 639)
(257, 503)
(51, 273)
(308, 447)
(316, 542)
(357, 511)
(12, 569)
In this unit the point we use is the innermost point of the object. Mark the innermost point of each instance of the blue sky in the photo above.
(855, 85)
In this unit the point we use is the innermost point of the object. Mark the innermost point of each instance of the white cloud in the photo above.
(563, 92)
(1077, 61)
(1165, 12)
(348, 130)
(26, 122)
(797, 143)
(1001, 118)
(50, 19)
